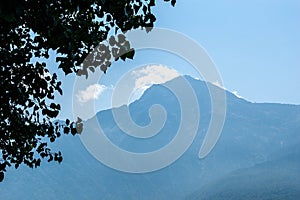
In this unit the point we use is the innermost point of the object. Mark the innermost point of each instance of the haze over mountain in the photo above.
(259, 146)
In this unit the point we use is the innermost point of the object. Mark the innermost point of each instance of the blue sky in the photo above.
(254, 44)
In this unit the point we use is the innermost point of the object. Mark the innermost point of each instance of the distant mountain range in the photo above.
(271, 180)
(256, 157)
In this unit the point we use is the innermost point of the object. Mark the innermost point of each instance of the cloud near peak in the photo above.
(152, 74)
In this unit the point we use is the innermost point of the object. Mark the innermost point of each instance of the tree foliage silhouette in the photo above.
(29, 29)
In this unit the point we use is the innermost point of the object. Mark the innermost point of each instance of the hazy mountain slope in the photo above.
(271, 180)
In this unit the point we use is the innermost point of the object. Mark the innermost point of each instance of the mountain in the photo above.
(254, 135)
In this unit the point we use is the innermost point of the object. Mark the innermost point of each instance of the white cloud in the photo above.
(152, 74)
(149, 75)
(90, 93)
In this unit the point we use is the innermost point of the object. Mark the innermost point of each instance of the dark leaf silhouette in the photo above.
(71, 29)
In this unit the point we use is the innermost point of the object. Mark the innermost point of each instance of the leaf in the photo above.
(37, 163)
(60, 91)
(53, 105)
(50, 96)
(79, 120)
(152, 18)
(130, 54)
(73, 131)
(1, 176)
(79, 127)
(173, 2)
(44, 111)
(17, 165)
(66, 130)
(50, 158)
(59, 159)
(52, 139)
(123, 57)
(43, 154)
(112, 41)
(148, 29)
(2, 166)
(152, 3)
